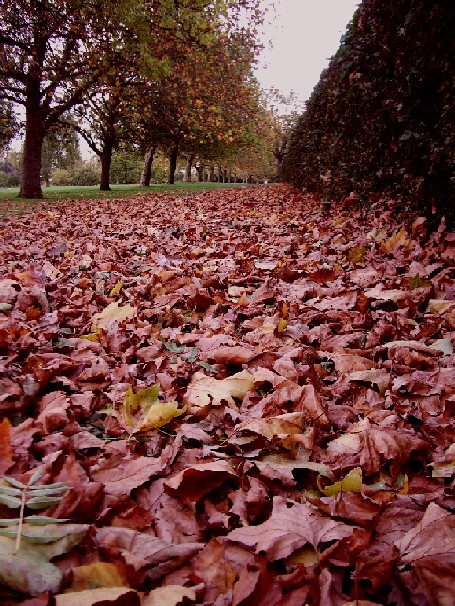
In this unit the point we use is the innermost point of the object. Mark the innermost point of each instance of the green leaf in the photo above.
(42, 502)
(193, 355)
(36, 476)
(173, 347)
(9, 532)
(418, 282)
(45, 491)
(43, 520)
(9, 521)
(11, 502)
(13, 482)
(12, 492)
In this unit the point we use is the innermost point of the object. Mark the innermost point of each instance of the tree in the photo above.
(60, 150)
(52, 52)
(8, 122)
(205, 102)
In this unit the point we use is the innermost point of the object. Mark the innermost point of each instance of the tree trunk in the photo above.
(200, 173)
(33, 146)
(212, 172)
(188, 168)
(173, 164)
(147, 170)
(220, 175)
(106, 158)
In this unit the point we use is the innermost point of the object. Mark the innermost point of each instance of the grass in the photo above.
(10, 204)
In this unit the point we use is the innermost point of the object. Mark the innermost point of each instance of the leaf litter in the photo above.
(258, 412)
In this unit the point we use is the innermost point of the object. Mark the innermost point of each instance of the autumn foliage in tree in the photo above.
(53, 54)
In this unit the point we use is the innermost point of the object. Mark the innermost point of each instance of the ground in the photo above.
(238, 397)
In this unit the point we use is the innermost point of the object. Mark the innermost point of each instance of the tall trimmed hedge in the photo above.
(381, 119)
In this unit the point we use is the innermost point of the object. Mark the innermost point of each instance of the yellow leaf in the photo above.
(281, 325)
(142, 411)
(94, 337)
(117, 288)
(405, 488)
(396, 241)
(160, 414)
(97, 574)
(111, 313)
(357, 254)
(352, 482)
(306, 556)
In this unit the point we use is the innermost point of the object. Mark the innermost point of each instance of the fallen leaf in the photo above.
(97, 574)
(112, 313)
(204, 392)
(196, 481)
(291, 526)
(26, 571)
(170, 595)
(115, 596)
(352, 482)
(142, 411)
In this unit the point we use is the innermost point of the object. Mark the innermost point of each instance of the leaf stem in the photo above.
(21, 519)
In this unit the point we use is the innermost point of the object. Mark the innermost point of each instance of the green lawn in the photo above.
(10, 204)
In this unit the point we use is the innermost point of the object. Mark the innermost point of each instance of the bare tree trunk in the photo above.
(146, 174)
(188, 168)
(200, 172)
(220, 174)
(173, 164)
(33, 145)
(211, 172)
(106, 159)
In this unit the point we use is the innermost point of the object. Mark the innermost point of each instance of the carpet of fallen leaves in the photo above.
(250, 399)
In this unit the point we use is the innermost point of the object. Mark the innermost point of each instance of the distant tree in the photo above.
(205, 101)
(54, 52)
(60, 150)
(126, 166)
(8, 122)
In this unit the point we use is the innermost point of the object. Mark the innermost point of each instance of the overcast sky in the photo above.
(304, 34)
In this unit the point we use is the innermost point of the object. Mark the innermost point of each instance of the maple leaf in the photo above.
(204, 392)
(142, 411)
(428, 550)
(291, 526)
(112, 313)
(121, 596)
(195, 481)
(398, 240)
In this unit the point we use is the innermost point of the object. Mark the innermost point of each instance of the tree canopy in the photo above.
(54, 54)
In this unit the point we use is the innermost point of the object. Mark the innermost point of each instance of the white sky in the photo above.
(304, 35)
